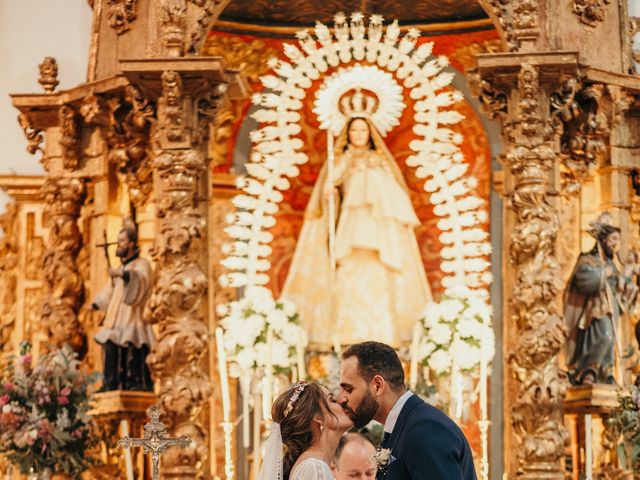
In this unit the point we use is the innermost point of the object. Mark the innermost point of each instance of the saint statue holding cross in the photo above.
(125, 337)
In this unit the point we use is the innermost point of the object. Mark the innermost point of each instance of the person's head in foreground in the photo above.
(309, 417)
(353, 458)
(371, 381)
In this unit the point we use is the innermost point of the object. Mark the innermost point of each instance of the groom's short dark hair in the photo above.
(375, 358)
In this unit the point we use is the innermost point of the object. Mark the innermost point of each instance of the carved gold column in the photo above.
(64, 290)
(518, 92)
(9, 257)
(54, 120)
(178, 304)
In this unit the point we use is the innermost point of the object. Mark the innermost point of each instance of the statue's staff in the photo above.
(617, 367)
(332, 202)
(332, 230)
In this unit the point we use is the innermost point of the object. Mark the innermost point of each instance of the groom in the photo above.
(422, 441)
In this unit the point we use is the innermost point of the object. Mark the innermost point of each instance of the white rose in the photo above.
(240, 306)
(451, 309)
(294, 334)
(262, 354)
(440, 334)
(470, 359)
(277, 319)
(470, 328)
(280, 354)
(480, 308)
(254, 325)
(289, 308)
(245, 359)
(431, 314)
(426, 349)
(440, 361)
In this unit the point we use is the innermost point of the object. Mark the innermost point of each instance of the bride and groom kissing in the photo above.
(419, 442)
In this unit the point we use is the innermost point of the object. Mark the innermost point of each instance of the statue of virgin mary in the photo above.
(379, 287)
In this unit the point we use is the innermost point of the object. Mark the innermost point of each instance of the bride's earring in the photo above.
(322, 427)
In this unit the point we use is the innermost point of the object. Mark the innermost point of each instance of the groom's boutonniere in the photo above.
(382, 458)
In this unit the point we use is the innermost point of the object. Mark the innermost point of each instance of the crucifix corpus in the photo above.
(155, 440)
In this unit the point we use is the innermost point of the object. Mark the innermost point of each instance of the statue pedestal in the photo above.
(114, 413)
(587, 409)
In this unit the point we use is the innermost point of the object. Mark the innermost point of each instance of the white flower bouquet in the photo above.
(458, 328)
(260, 332)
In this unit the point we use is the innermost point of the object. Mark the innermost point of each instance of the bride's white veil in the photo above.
(271, 468)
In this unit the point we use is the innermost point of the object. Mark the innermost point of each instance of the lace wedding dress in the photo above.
(311, 469)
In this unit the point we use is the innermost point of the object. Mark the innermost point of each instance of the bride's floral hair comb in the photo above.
(300, 386)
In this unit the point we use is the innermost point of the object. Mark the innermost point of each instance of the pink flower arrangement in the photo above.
(43, 412)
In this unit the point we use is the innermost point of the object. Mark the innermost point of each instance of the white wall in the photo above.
(29, 31)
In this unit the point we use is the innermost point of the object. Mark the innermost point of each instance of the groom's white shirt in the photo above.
(392, 418)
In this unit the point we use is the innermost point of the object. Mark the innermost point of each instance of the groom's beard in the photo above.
(365, 412)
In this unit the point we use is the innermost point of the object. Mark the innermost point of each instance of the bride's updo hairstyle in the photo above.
(295, 411)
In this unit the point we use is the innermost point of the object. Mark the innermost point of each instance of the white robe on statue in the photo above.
(124, 304)
(380, 287)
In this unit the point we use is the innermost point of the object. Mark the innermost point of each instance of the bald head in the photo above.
(353, 458)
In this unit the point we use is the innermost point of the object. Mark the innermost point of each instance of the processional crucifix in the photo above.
(155, 440)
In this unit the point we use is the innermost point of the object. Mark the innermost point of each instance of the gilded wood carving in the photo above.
(178, 301)
(590, 12)
(8, 275)
(536, 412)
(125, 125)
(63, 284)
(48, 74)
(121, 14)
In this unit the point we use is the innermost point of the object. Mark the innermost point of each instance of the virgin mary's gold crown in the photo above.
(358, 104)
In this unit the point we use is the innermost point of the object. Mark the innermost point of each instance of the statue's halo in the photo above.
(389, 93)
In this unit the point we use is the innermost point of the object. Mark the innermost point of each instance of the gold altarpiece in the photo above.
(143, 132)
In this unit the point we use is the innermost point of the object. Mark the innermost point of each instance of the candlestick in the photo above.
(224, 380)
(484, 411)
(459, 394)
(266, 405)
(413, 353)
(128, 463)
(255, 467)
(483, 382)
(268, 384)
(245, 386)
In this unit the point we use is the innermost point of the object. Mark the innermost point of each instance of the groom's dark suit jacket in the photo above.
(426, 444)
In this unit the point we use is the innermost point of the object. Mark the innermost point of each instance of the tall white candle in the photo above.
(246, 391)
(224, 380)
(484, 412)
(332, 202)
(257, 447)
(413, 353)
(268, 375)
(266, 402)
(128, 463)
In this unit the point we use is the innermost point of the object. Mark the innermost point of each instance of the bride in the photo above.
(308, 424)
(380, 286)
